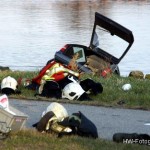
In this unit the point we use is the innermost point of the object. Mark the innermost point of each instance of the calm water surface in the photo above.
(32, 31)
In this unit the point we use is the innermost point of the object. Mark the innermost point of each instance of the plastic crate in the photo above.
(11, 120)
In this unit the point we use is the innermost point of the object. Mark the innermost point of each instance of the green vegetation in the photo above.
(113, 95)
(30, 139)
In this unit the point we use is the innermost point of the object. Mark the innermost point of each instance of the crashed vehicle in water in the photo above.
(109, 43)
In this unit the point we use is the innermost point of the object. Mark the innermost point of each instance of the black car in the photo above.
(110, 42)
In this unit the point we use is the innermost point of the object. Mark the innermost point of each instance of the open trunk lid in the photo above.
(104, 24)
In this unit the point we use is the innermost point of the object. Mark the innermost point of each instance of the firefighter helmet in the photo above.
(9, 82)
(72, 91)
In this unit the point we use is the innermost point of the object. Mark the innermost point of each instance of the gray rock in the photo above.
(4, 68)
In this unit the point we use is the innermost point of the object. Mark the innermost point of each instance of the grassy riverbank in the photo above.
(29, 140)
(113, 95)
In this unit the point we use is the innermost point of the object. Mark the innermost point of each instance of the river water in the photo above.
(31, 31)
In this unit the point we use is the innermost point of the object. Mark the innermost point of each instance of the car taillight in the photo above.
(106, 72)
(64, 48)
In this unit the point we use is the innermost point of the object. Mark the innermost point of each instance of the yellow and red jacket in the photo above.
(54, 71)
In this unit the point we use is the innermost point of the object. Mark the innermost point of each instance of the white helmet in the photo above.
(9, 82)
(58, 109)
(72, 91)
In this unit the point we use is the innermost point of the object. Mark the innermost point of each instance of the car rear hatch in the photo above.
(110, 40)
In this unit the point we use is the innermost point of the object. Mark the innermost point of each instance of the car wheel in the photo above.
(117, 71)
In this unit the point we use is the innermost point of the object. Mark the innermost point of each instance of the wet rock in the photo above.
(147, 76)
(4, 68)
(136, 74)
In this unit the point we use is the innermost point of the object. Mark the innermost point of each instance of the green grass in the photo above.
(113, 95)
(31, 139)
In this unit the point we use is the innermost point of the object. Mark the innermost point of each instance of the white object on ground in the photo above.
(126, 87)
